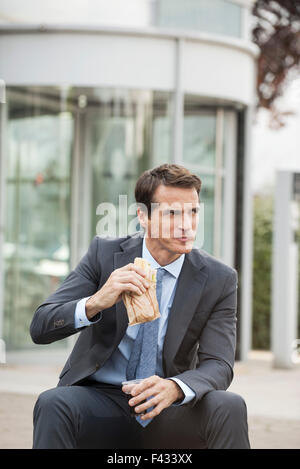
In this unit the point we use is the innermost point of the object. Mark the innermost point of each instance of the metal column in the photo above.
(178, 105)
(246, 248)
(2, 194)
(285, 269)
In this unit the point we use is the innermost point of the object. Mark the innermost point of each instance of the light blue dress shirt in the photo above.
(114, 369)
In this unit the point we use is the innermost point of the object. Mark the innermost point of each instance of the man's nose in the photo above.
(185, 222)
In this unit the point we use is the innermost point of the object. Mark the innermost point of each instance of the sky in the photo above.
(278, 149)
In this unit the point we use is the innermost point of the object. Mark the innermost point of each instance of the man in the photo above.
(182, 400)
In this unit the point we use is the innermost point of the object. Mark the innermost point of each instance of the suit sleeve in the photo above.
(54, 319)
(217, 342)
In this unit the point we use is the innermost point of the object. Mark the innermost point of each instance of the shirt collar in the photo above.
(173, 268)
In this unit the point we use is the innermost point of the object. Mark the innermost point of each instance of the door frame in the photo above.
(3, 133)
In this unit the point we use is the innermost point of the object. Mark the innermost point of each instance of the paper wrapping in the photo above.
(142, 308)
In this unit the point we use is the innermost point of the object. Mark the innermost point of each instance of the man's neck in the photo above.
(159, 253)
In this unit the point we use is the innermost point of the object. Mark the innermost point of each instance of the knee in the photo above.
(47, 402)
(227, 404)
(234, 403)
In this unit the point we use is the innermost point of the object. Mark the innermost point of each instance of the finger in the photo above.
(153, 413)
(153, 402)
(130, 287)
(135, 282)
(135, 278)
(145, 384)
(142, 279)
(133, 267)
(126, 388)
(153, 391)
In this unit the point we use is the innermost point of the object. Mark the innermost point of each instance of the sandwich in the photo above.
(142, 308)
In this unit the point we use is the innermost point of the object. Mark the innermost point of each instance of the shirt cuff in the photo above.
(189, 394)
(80, 316)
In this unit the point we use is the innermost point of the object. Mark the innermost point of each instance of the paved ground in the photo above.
(272, 397)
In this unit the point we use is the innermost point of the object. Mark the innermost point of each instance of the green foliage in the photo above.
(262, 273)
(262, 268)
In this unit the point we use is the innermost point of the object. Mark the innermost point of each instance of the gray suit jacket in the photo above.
(199, 346)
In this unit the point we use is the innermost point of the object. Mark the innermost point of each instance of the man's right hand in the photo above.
(128, 278)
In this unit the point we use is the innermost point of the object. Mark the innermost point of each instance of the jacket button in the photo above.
(97, 366)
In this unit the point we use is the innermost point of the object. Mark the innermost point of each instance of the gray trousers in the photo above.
(97, 415)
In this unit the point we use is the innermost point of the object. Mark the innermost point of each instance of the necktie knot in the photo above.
(160, 272)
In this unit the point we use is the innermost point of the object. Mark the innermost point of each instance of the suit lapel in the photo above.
(190, 285)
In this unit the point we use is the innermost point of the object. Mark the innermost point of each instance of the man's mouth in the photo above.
(184, 238)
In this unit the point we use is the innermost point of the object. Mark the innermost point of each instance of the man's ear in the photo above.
(142, 216)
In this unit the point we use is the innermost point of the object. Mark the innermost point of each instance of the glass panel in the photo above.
(122, 133)
(229, 149)
(37, 233)
(199, 134)
(207, 197)
(162, 128)
(199, 156)
(214, 16)
(128, 132)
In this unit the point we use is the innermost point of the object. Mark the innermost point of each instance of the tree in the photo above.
(277, 34)
(262, 272)
(262, 268)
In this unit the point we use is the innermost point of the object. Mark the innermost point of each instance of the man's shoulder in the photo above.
(113, 243)
(109, 241)
(212, 264)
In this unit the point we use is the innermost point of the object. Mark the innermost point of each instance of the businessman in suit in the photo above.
(182, 400)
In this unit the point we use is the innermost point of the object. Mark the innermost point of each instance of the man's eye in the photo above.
(170, 212)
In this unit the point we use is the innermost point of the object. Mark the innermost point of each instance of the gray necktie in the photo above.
(142, 361)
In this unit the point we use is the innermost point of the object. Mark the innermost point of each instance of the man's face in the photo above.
(174, 218)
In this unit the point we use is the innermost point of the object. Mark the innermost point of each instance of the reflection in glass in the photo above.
(128, 133)
(36, 248)
(119, 134)
(199, 156)
(199, 136)
(208, 199)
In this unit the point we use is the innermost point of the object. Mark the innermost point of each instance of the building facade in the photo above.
(95, 99)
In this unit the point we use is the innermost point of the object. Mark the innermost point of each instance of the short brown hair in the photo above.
(168, 174)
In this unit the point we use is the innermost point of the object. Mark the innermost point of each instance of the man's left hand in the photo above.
(163, 393)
